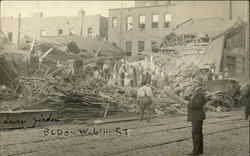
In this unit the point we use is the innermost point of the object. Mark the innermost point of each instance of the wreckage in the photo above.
(56, 73)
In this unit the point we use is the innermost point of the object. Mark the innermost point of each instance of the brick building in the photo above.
(138, 28)
(87, 26)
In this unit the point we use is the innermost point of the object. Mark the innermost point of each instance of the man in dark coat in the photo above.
(196, 115)
(245, 99)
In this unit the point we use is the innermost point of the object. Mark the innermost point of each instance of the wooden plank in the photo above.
(31, 78)
(106, 111)
(178, 110)
(126, 119)
(56, 71)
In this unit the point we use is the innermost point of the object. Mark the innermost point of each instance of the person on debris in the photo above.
(196, 115)
(135, 80)
(154, 79)
(145, 97)
(122, 71)
(106, 71)
(140, 72)
(245, 99)
(220, 77)
(226, 74)
(96, 74)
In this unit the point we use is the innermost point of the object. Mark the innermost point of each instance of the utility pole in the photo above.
(81, 21)
(121, 26)
(230, 9)
(247, 67)
(19, 26)
(0, 20)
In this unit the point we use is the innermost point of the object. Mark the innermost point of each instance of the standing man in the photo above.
(140, 72)
(145, 97)
(245, 99)
(196, 115)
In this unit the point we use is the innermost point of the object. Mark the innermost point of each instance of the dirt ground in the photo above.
(225, 134)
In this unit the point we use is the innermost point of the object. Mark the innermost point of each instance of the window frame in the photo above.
(129, 28)
(128, 50)
(141, 24)
(140, 49)
(60, 34)
(114, 19)
(154, 24)
(167, 22)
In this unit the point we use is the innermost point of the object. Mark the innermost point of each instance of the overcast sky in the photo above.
(59, 8)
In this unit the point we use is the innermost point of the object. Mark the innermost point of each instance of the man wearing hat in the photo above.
(196, 115)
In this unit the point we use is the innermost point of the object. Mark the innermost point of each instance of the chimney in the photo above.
(38, 15)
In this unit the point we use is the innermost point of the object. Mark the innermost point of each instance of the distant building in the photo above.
(88, 26)
(137, 29)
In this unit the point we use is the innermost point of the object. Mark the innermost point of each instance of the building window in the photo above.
(43, 33)
(128, 48)
(129, 23)
(60, 32)
(71, 31)
(155, 20)
(141, 46)
(114, 22)
(167, 20)
(142, 21)
(10, 36)
(147, 4)
(90, 32)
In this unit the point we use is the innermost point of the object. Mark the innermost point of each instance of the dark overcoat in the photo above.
(196, 111)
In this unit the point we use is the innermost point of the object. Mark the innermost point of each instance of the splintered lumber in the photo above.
(31, 78)
(171, 94)
(47, 71)
(106, 111)
(208, 105)
(178, 110)
(176, 97)
(56, 71)
(126, 119)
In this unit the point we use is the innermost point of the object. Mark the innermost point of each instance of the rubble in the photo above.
(61, 79)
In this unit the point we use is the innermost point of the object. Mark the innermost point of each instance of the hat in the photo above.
(198, 79)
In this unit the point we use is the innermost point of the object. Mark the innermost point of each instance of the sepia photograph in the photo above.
(124, 78)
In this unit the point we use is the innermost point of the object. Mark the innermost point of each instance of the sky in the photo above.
(59, 8)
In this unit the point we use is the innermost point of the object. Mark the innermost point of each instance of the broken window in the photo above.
(155, 20)
(10, 36)
(114, 22)
(43, 33)
(142, 21)
(90, 31)
(129, 23)
(141, 46)
(167, 20)
(128, 48)
(60, 32)
(71, 31)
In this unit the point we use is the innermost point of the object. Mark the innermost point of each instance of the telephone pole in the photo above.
(247, 46)
(19, 26)
(81, 21)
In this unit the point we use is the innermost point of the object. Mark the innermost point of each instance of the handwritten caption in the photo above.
(87, 131)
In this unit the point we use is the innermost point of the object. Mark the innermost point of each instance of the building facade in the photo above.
(137, 29)
(87, 26)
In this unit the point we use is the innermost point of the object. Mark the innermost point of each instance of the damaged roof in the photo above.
(210, 26)
(88, 44)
